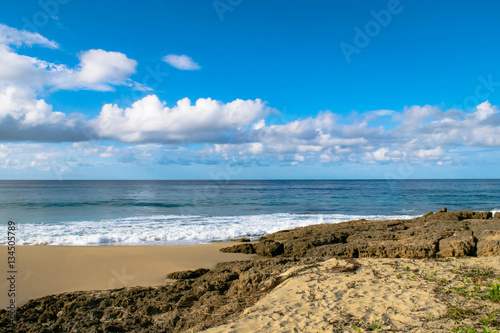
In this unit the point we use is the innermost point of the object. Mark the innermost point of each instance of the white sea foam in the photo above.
(172, 229)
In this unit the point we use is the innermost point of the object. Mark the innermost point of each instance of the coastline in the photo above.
(47, 270)
(437, 272)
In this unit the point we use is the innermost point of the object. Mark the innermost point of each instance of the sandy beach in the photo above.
(434, 273)
(47, 270)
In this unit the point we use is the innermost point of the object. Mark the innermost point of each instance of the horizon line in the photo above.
(254, 179)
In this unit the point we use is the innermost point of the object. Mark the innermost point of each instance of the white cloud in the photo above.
(328, 158)
(382, 113)
(256, 148)
(485, 110)
(98, 69)
(109, 151)
(182, 62)
(299, 158)
(237, 131)
(380, 154)
(24, 117)
(27, 71)
(4, 151)
(22, 106)
(419, 134)
(232, 137)
(150, 120)
(431, 154)
(383, 154)
(448, 162)
(28, 155)
(12, 36)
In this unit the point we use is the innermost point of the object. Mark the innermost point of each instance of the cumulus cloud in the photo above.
(26, 71)
(237, 131)
(150, 120)
(245, 139)
(420, 134)
(101, 69)
(23, 117)
(182, 62)
(21, 105)
(433, 154)
(98, 69)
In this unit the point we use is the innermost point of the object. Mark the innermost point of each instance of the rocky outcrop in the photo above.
(441, 234)
(190, 304)
(459, 216)
(182, 275)
(241, 240)
(240, 248)
(462, 243)
(269, 248)
(266, 248)
(489, 243)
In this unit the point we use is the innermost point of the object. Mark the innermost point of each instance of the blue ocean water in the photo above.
(192, 212)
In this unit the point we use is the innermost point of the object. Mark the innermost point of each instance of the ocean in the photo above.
(195, 212)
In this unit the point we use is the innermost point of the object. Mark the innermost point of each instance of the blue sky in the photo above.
(232, 89)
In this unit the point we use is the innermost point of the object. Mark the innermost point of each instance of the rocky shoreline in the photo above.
(196, 300)
(442, 234)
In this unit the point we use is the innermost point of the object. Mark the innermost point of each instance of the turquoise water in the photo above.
(191, 212)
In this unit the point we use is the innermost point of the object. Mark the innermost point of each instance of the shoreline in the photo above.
(53, 269)
(436, 273)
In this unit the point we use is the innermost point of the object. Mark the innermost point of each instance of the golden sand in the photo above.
(46, 270)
